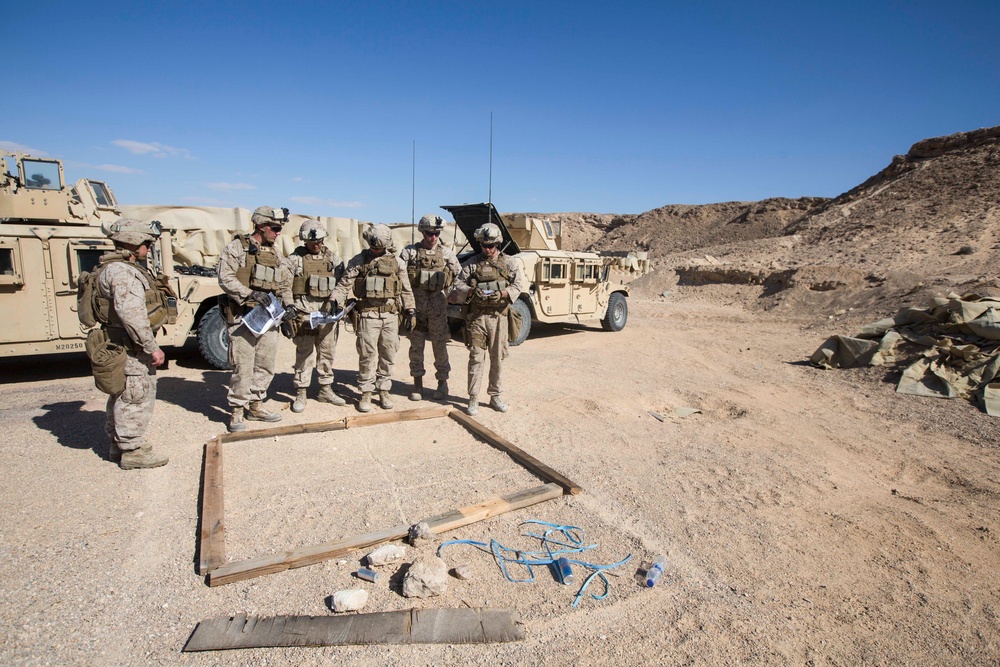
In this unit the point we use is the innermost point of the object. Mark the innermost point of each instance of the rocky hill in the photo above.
(927, 223)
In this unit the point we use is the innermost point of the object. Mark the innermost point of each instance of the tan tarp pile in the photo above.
(961, 357)
(200, 232)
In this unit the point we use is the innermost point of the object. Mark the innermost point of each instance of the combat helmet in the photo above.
(377, 236)
(267, 215)
(489, 233)
(312, 230)
(431, 223)
(133, 232)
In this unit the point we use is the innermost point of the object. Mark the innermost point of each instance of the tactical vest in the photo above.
(429, 271)
(161, 302)
(489, 276)
(318, 275)
(378, 284)
(260, 272)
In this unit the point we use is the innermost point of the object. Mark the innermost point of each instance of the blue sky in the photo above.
(595, 106)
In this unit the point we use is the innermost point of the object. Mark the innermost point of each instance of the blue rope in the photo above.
(569, 538)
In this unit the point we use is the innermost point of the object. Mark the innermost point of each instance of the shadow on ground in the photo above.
(75, 428)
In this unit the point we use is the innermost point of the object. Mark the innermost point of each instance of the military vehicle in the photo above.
(50, 233)
(563, 286)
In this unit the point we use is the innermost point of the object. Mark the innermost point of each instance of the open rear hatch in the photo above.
(470, 217)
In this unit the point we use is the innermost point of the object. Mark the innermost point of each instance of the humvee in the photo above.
(563, 286)
(50, 233)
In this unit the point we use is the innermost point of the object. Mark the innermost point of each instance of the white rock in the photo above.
(462, 572)
(350, 600)
(421, 533)
(427, 576)
(385, 554)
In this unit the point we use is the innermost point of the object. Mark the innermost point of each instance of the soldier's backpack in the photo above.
(86, 295)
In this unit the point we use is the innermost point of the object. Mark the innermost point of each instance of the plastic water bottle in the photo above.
(655, 570)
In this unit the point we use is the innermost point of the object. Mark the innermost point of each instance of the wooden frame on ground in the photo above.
(212, 537)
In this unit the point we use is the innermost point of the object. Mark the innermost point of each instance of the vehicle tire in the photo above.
(617, 315)
(213, 338)
(525, 310)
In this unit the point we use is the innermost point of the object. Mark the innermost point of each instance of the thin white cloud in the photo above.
(231, 186)
(206, 201)
(15, 147)
(118, 169)
(153, 149)
(298, 179)
(319, 201)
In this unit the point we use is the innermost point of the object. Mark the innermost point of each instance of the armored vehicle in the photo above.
(50, 233)
(563, 286)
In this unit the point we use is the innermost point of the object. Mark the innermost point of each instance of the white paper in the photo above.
(263, 318)
(318, 319)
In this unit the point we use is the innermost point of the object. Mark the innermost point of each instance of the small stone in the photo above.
(463, 572)
(427, 576)
(385, 554)
(421, 533)
(665, 293)
(350, 600)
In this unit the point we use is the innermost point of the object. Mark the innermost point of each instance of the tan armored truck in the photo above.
(563, 286)
(50, 233)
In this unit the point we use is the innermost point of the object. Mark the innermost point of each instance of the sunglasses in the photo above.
(427, 233)
(275, 228)
(490, 245)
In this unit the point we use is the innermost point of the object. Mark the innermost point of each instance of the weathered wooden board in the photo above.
(516, 453)
(310, 555)
(212, 537)
(338, 424)
(415, 626)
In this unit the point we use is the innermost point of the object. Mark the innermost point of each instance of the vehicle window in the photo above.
(40, 175)
(558, 272)
(87, 259)
(6, 261)
(101, 194)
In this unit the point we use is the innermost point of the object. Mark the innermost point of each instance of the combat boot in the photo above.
(326, 395)
(258, 413)
(365, 404)
(497, 404)
(473, 408)
(114, 452)
(299, 404)
(418, 389)
(441, 391)
(142, 457)
(236, 423)
(385, 400)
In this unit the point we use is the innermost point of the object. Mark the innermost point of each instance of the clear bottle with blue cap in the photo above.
(655, 571)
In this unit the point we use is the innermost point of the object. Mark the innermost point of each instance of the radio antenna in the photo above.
(413, 192)
(489, 193)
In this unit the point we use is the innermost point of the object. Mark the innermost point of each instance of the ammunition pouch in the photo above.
(107, 362)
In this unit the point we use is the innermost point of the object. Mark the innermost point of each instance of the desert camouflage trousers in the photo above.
(252, 360)
(432, 325)
(128, 413)
(315, 348)
(486, 333)
(378, 340)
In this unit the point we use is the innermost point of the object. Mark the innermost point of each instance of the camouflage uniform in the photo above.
(314, 348)
(377, 322)
(251, 357)
(486, 326)
(128, 413)
(432, 308)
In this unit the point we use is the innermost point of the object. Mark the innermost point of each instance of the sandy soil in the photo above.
(809, 517)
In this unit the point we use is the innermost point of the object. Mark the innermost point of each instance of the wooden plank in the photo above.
(212, 536)
(516, 453)
(412, 626)
(340, 424)
(310, 555)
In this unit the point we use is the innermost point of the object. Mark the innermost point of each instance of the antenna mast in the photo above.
(413, 191)
(489, 194)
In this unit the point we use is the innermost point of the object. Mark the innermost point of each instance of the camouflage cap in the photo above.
(133, 232)
(488, 233)
(312, 230)
(268, 215)
(431, 223)
(378, 236)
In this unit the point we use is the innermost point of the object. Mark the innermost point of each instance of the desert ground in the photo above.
(808, 516)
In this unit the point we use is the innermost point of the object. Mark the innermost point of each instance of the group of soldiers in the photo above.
(383, 291)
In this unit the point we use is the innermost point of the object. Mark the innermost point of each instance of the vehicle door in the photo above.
(555, 293)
